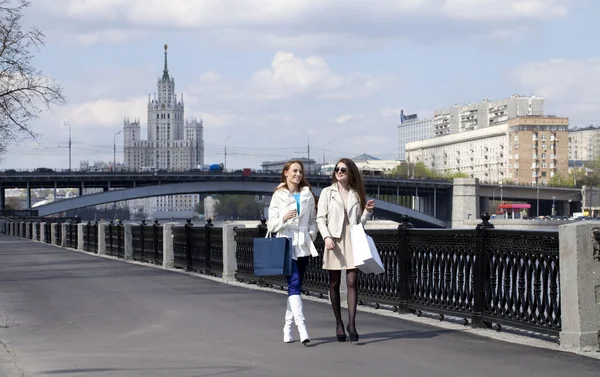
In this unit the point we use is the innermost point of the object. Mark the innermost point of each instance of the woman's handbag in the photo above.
(272, 256)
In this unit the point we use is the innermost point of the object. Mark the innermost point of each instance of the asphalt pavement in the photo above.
(65, 313)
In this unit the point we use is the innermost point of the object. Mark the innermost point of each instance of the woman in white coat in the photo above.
(341, 206)
(292, 214)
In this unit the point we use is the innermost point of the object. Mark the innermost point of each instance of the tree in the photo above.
(559, 181)
(23, 88)
(12, 203)
(234, 206)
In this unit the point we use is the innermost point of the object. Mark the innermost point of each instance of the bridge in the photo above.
(429, 202)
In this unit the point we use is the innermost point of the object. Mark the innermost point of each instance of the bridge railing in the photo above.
(198, 249)
(71, 236)
(115, 240)
(90, 237)
(147, 243)
(483, 276)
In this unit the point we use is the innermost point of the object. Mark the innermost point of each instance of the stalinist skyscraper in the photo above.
(173, 143)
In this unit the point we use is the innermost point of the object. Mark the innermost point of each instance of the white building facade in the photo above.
(411, 129)
(479, 154)
(474, 116)
(584, 144)
(173, 143)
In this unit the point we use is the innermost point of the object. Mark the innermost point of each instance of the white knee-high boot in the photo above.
(296, 306)
(287, 327)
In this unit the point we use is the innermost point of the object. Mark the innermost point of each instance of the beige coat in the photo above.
(330, 215)
(302, 229)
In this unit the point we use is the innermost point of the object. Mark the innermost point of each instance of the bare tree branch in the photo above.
(24, 90)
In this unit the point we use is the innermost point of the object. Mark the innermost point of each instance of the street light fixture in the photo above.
(115, 150)
(69, 125)
(494, 197)
(308, 149)
(225, 154)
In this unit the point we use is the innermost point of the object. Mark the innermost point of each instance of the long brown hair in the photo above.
(355, 180)
(303, 181)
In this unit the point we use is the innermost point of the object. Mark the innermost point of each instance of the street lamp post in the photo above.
(225, 154)
(537, 185)
(69, 125)
(494, 197)
(115, 150)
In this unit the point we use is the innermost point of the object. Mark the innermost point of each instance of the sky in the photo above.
(280, 76)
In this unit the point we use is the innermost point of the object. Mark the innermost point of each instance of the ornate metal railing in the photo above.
(244, 253)
(29, 230)
(483, 275)
(523, 288)
(147, 243)
(38, 228)
(72, 235)
(47, 232)
(182, 257)
(198, 248)
(114, 240)
(58, 234)
(90, 237)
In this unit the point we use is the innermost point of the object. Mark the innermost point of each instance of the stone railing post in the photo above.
(229, 250)
(53, 233)
(34, 232)
(580, 285)
(42, 232)
(102, 238)
(63, 234)
(168, 256)
(128, 239)
(80, 238)
(27, 231)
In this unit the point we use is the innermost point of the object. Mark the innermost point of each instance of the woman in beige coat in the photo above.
(341, 206)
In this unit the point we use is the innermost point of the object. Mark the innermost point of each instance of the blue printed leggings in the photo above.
(295, 280)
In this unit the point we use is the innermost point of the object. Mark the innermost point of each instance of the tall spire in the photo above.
(165, 76)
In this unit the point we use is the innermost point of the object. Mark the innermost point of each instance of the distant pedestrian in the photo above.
(292, 214)
(341, 206)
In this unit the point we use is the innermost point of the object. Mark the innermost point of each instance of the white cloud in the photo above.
(290, 75)
(505, 9)
(345, 118)
(105, 112)
(292, 23)
(570, 86)
(210, 76)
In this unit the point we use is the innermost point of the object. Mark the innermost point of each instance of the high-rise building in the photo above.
(410, 129)
(474, 116)
(173, 143)
(584, 144)
(526, 150)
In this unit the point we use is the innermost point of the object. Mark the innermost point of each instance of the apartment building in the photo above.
(474, 116)
(538, 149)
(584, 144)
(524, 150)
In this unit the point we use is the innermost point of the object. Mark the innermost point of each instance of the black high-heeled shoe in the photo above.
(341, 337)
(353, 335)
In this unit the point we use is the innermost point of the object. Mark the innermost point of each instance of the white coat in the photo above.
(302, 229)
(330, 215)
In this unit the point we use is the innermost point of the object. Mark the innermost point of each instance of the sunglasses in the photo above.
(343, 170)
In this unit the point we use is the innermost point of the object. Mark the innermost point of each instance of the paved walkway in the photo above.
(65, 313)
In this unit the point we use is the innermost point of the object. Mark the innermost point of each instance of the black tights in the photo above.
(335, 277)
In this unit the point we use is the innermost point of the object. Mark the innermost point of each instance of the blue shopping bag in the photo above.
(272, 256)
